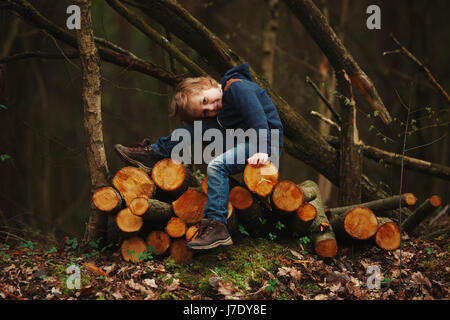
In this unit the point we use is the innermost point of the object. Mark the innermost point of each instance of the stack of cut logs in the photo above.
(162, 211)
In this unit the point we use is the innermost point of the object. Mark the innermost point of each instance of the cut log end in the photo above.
(133, 249)
(139, 206)
(326, 248)
(388, 236)
(287, 196)
(307, 212)
(410, 199)
(128, 222)
(191, 233)
(168, 174)
(179, 251)
(106, 199)
(190, 206)
(240, 198)
(261, 180)
(133, 182)
(435, 201)
(176, 227)
(159, 240)
(361, 223)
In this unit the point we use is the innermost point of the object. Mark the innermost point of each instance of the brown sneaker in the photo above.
(141, 154)
(211, 234)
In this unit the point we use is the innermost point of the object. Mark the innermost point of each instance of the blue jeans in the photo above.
(231, 161)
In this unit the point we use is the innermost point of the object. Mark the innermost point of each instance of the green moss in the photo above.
(60, 272)
(243, 263)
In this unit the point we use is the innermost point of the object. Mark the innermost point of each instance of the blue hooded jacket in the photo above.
(246, 105)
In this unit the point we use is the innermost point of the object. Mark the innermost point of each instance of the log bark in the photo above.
(133, 182)
(158, 240)
(133, 249)
(286, 197)
(108, 200)
(378, 206)
(388, 235)
(155, 212)
(350, 161)
(261, 180)
(320, 229)
(190, 206)
(96, 227)
(421, 213)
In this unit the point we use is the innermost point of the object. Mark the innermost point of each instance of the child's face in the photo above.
(206, 103)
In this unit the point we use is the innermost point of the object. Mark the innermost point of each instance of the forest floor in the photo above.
(250, 269)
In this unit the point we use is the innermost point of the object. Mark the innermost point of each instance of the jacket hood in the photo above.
(241, 71)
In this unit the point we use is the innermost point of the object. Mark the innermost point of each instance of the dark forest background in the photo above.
(44, 179)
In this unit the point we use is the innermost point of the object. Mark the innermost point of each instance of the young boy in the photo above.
(236, 103)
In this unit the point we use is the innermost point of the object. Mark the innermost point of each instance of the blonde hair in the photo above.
(190, 86)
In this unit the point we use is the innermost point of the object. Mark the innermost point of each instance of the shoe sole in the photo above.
(132, 161)
(226, 242)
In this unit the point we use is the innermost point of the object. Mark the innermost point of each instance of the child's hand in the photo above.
(258, 159)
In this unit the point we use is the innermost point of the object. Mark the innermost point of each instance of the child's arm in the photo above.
(245, 99)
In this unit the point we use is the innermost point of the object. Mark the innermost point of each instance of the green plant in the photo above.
(270, 287)
(279, 225)
(304, 240)
(242, 230)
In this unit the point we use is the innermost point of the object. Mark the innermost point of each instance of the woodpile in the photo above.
(159, 214)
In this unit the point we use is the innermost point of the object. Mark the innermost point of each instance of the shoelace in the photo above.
(203, 229)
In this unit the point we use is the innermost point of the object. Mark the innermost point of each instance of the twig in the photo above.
(423, 67)
(10, 294)
(319, 93)
(326, 120)
(152, 34)
(37, 54)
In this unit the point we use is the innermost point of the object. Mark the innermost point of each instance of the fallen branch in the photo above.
(325, 101)
(421, 213)
(407, 199)
(377, 154)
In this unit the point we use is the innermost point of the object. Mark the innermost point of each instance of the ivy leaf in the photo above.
(2, 106)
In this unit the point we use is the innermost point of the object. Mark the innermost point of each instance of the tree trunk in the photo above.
(92, 121)
(350, 162)
(270, 41)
